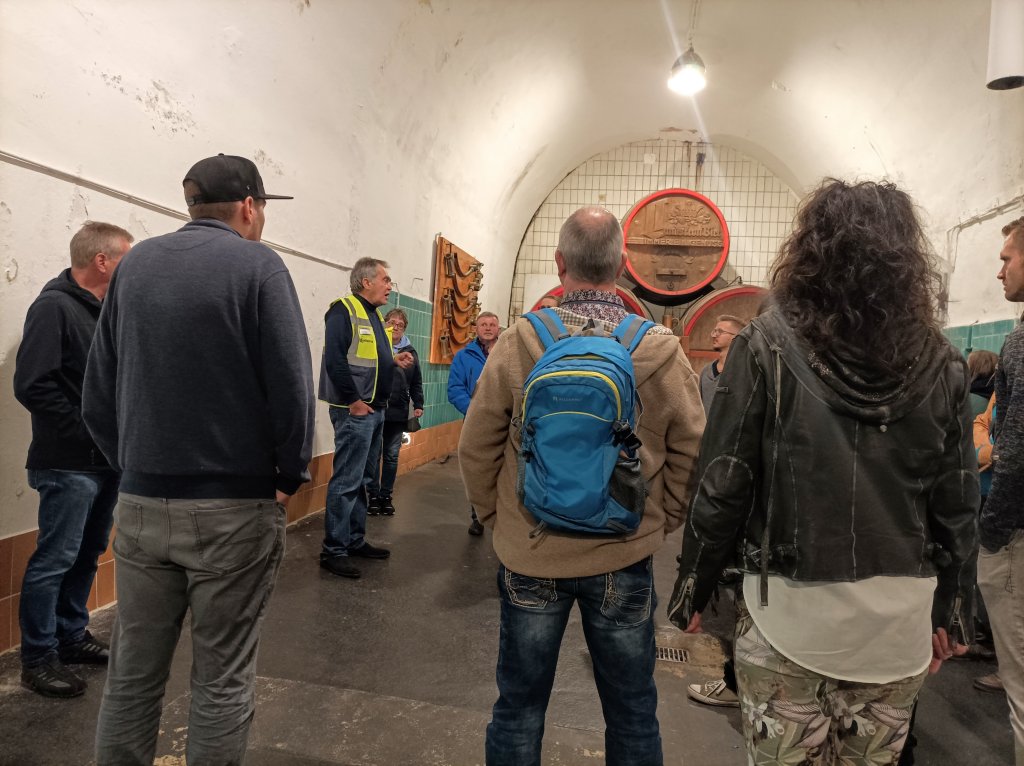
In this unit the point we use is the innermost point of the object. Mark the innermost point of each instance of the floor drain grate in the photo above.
(671, 654)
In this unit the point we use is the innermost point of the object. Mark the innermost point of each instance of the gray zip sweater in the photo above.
(1004, 508)
(199, 381)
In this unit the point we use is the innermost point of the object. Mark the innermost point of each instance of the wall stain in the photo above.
(79, 210)
(137, 224)
(160, 102)
(157, 100)
(263, 159)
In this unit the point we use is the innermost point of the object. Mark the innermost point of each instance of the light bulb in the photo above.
(687, 76)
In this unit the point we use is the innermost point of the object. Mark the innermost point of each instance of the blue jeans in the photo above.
(75, 515)
(391, 439)
(216, 559)
(356, 457)
(616, 609)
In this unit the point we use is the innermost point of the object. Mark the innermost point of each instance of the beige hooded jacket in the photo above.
(670, 428)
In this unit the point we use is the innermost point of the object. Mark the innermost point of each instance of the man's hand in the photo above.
(360, 409)
(282, 498)
(404, 359)
(694, 626)
(417, 413)
(943, 649)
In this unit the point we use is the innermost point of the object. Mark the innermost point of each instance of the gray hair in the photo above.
(484, 315)
(96, 237)
(365, 268)
(590, 241)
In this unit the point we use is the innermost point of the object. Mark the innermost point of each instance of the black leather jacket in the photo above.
(814, 472)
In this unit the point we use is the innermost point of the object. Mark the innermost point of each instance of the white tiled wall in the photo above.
(758, 207)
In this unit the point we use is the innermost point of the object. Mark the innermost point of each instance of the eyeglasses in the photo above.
(397, 324)
(719, 331)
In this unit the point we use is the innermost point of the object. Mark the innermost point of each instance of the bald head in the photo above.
(590, 242)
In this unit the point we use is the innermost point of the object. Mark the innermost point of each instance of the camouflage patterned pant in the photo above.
(796, 717)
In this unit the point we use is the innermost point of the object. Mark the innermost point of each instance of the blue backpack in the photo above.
(578, 467)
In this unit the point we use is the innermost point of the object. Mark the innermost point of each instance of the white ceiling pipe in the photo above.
(1006, 45)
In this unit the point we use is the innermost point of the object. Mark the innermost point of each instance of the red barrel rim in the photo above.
(717, 297)
(696, 288)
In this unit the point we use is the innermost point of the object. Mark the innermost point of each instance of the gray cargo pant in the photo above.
(219, 559)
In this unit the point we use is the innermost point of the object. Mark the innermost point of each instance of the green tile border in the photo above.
(982, 335)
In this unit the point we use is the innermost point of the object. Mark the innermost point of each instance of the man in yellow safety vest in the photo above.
(355, 380)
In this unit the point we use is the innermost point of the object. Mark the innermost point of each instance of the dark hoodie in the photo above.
(815, 469)
(48, 376)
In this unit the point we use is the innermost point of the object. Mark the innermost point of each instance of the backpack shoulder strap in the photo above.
(548, 326)
(631, 330)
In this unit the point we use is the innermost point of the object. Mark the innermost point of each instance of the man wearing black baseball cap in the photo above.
(225, 178)
(199, 389)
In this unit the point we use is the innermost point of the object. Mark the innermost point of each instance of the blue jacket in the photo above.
(463, 375)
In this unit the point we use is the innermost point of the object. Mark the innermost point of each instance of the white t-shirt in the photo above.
(874, 631)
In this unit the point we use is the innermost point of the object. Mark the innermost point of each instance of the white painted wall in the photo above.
(392, 120)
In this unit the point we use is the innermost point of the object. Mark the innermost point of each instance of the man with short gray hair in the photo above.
(544, 571)
(77, 487)
(466, 367)
(355, 380)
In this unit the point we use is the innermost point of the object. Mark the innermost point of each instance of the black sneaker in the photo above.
(52, 679)
(367, 551)
(476, 528)
(387, 508)
(338, 565)
(88, 651)
(373, 507)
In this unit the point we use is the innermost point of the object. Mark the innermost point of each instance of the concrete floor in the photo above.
(398, 667)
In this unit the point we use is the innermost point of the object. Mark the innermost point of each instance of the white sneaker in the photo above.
(714, 693)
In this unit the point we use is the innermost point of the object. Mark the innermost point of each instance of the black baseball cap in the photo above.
(226, 178)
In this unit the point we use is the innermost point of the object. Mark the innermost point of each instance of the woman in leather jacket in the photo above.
(838, 472)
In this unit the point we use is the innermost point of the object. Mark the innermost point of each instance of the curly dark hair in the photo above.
(857, 272)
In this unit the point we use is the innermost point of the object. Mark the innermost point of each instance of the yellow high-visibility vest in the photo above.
(362, 355)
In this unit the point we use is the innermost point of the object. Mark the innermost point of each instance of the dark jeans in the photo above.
(616, 609)
(356, 456)
(75, 515)
(217, 559)
(391, 440)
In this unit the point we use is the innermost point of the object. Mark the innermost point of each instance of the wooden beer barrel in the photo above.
(676, 243)
(694, 329)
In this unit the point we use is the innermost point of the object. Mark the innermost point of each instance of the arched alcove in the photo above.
(757, 204)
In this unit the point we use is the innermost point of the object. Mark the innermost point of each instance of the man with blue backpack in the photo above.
(577, 452)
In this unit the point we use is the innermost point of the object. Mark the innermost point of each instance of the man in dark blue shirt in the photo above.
(355, 380)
